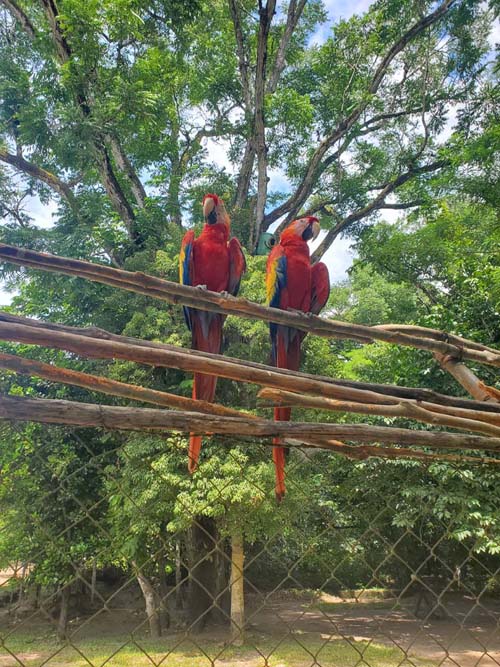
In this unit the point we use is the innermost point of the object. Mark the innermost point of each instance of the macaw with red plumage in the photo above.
(217, 263)
(291, 282)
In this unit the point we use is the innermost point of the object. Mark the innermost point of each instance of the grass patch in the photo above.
(295, 651)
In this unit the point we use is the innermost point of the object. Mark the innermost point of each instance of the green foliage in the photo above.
(158, 80)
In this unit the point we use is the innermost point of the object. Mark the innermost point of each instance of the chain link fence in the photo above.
(112, 555)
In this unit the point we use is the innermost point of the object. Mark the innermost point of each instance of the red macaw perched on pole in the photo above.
(292, 282)
(215, 262)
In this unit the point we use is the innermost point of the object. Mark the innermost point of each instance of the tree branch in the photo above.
(390, 393)
(295, 9)
(105, 167)
(375, 204)
(32, 367)
(40, 174)
(303, 190)
(407, 409)
(20, 16)
(242, 52)
(464, 376)
(266, 14)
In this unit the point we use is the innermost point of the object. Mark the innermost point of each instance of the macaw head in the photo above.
(305, 228)
(214, 210)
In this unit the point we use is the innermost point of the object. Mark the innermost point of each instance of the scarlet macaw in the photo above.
(291, 282)
(217, 263)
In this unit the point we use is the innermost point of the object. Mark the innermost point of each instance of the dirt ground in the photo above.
(467, 636)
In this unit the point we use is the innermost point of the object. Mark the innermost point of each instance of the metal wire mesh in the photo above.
(112, 555)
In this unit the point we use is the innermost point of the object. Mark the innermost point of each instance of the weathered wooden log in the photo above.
(150, 419)
(407, 409)
(112, 387)
(464, 376)
(491, 391)
(362, 452)
(184, 360)
(392, 392)
(227, 304)
(436, 334)
(171, 357)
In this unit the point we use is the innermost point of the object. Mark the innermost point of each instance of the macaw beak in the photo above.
(210, 212)
(315, 229)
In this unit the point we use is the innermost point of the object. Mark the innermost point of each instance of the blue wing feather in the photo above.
(276, 282)
(186, 270)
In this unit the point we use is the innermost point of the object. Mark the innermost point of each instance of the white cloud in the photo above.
(339, 258)
(217, 153)
(337, 9)
(42, 214)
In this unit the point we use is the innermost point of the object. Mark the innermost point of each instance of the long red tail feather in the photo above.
(287, 356)
(204, 385)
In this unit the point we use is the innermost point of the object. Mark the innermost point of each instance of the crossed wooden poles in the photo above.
(480, 416)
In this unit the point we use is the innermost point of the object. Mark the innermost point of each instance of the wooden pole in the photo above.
(436, 334)
(464, 376)
(408, 409)
(149, 419)
(491, 391)
(113, 387)
(227, 304)
(185, 360)
(392, 391)
(362, 452)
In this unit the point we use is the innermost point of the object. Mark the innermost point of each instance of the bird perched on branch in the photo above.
(217, 264)
(291, 282)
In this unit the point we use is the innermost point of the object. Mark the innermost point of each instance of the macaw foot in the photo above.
(202, 287)
(225, 294)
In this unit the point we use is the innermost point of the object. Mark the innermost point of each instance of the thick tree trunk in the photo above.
(150, 601)
(222, 582)
(179, 597)
(245, 174)
(127, 170)
(237, 589)
(202, 572)
(163, 589)
(38, 594)
(93, 583)
(62, 625)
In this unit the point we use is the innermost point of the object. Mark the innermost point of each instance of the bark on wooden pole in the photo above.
(147, 419)
(436, 334)
(408, 409)
(182, 359)
(491, 391)
(464, 376)
(227, 304)
(362, 452)
(392, 391)
(112, 387)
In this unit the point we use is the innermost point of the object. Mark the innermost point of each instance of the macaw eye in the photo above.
(270, 242)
